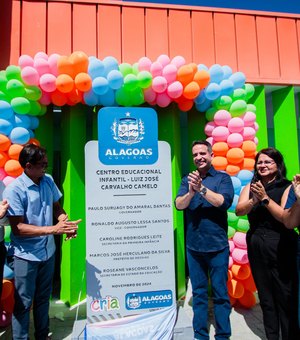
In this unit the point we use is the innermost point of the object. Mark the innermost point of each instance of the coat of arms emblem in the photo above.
(128, 130)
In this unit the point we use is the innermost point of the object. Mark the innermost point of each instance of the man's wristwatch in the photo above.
(203, 191)
(265, 201)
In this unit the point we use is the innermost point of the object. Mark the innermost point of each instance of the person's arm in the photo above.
(183, 201)
(245, 204)
(291, 216)
(3, 209)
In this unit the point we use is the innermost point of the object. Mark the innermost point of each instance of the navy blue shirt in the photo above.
(291, 198)
(206, 225)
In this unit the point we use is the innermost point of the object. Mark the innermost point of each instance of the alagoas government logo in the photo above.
(127, 136)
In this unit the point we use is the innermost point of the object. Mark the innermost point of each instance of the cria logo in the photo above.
(108, 303)
(127, 136)
(158, 299)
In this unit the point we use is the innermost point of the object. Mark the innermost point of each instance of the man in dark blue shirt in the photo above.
(205, 195)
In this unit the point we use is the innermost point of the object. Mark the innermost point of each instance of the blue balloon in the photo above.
(96, 68)
(6, 111)
(213, 91)
(202, 67)
(216, 73)
(238, 79)
(245, 176)
(110, 63)
(90, 98)
(19, 135)
(6, 126)
(8, 273)
(23, 121)
(227, 87)
(203, 106)
(236, 182)
(234, 202)
(34, 122)
(108, 99)
(200, 98)
(100, 85)
(115, 79)
(227, 70)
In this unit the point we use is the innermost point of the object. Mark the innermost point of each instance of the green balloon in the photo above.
(231, 232)
(13, 72)
(251, 107)
(223, 103)
(131, 82)
(3, 83)
(15, 88)
(137, 97)
(33, 93)
(135, 69)
(5, 97)
(43, 110)
(20, 105)
(238, 108)
(7, 234)
(250, 90)
(145, 79)
(210, 113)
(35, 108)
(123, 97)
(232, 218)
(125, 69)
(238, 94)
(242, 225)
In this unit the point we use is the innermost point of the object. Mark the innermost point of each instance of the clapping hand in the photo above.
(296, 186)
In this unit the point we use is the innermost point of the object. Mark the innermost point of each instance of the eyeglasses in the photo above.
(265, 163)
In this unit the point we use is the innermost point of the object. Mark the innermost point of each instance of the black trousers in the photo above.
(272, 258)
(2, 262)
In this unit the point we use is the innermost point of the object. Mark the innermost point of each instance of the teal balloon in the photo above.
(145, 79)
(125, 69)
(33, 93)
(210, 113)
(13, 72)
(238, 108)
(15, 88)
(223, 103)
(20, 105)
(250, 90)
(251, 107)
(131, 82)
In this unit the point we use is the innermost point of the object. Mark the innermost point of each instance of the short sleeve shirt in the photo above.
(206, 225)
(35, 203)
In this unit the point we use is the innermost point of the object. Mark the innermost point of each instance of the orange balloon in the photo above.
(3, 158)
(4, 142)
(241, 271)
(13, 168)
(232, 170)
(185, 105)
(248, 300)
(235, 155)
(34, 141)
(64, 66)
(220, 149)
(64, 83)
(7, 304)
(194, 66)
(83, 82)
(7, 289)
(185, 74)
(58, 98)
(232, 300)
(230, 276)
(202, 77)
(219, 163)
(248, 164)
(75, 97)
(191, 90)
(249, 148)
(250, 284)
(14, 151)
(235, 288)
(80, 61)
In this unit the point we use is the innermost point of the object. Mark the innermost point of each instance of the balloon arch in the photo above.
(28, 88)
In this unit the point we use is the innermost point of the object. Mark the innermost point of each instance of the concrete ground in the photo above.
(68, 323)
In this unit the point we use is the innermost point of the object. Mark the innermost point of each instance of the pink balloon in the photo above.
(175, 89)
(239, 240)
(230, 262)
(163, 59)
(7, 180)
(248, 133)
(25, 60)
(163, 100)
(144, 64)
(178, 61)
(170, 73)
(149, 95)
(41, 55)
(210, 140)
(249, 118)
(236, 124)
(222, 117)
(220, 134)
(231, 245)
(209, 127)
(235, 140)
(45, 98)
(159, 84)
(156, 69)
(2, 174)
(240, 256)
(52, 61)
(48, 82)
(42, 66)
(255, 140)
(30, 76)
(255, 126)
